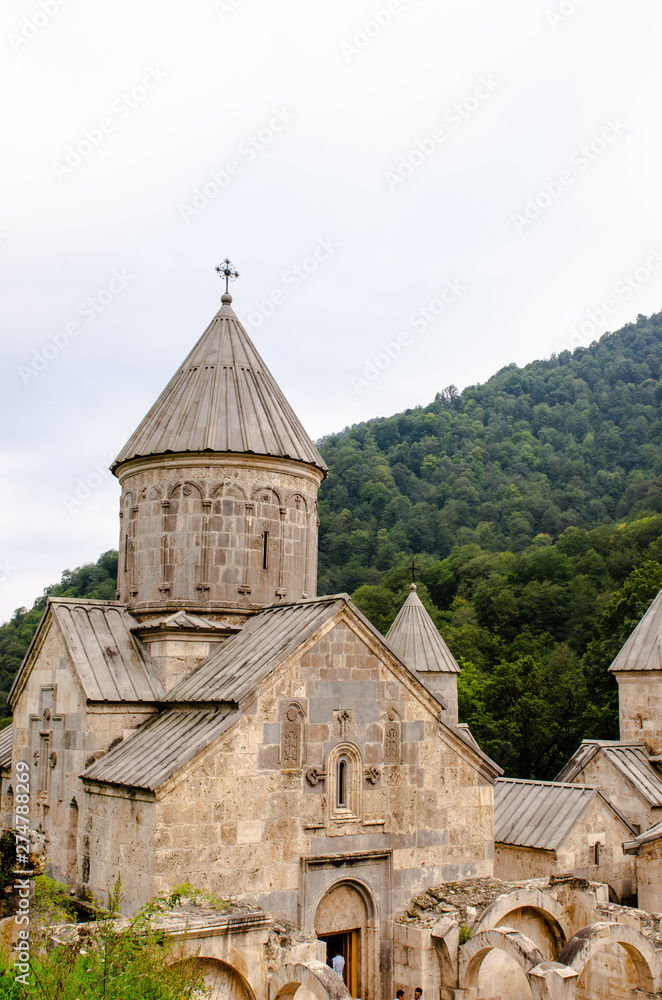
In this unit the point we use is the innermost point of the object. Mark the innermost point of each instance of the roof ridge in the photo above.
(556, 784)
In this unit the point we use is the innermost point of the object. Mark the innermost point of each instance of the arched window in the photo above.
(341, 784)
(345, 771)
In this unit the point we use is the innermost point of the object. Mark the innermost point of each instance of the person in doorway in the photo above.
(338, 965)
(418, 993)
(399, 995)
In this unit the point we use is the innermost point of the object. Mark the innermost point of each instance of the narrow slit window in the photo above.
(342, 783)
(596, 853)
(265, 550)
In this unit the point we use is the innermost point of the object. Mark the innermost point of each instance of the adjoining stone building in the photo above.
(544, 828)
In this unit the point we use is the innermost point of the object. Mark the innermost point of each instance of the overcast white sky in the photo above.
(402, 142)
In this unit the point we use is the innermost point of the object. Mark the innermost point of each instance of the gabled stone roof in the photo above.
(630, 760)
(541, 814)
(223, 398)
(6, 738)
(643, 650)
(108, 660)
(233, 670)
(159, 748)
(417, 641)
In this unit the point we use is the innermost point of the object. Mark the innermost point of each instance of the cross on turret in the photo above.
(227, 271)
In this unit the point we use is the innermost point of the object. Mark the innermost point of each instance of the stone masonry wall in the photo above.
(51, 718)
(217, 532)
(240, 821)
(601, 774)
(640, 706)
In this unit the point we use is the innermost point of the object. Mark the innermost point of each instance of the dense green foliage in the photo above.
(573, 440)
(106, 959)
(531, 506)
(95, 580)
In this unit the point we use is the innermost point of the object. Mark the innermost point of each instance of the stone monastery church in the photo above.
(220, 724)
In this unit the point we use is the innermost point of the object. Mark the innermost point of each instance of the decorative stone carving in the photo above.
(343, 722)
(314, 775)
(52, 758)
(372, 774)
(392, 739)
(291, 738)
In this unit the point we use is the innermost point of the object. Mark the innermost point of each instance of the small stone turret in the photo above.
(219, 487)
(417, 641)
(638, 670)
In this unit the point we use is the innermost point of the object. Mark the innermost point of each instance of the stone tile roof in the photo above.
(643, 650)
(631, 760)
(540, 814)
(414, 637)
(180, 620)
(234, 669)
(108, 661)
(223, 398)
(159, 748)
(6, 738)
(647, 837)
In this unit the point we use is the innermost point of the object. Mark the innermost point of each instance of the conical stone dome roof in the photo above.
(643, 650)
(416, 640)
(223, 398)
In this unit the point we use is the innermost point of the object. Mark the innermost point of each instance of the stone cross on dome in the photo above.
(228, 271)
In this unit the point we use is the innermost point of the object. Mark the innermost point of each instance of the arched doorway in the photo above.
(342, 922)
(224, 982)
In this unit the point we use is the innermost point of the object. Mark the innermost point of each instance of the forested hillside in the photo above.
(574, 440)
(531, 507)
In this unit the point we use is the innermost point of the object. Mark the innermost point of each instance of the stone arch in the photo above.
(189, 486)
(516, 946)
(317, 977)
(353, 900)
(350, 806)
(445, 937)
(542, 904)
(266, 494)
(298, 501)
(224, 980)
(590, 940)
(344, 918)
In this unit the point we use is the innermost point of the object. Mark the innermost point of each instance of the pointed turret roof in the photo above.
(223, 398)
(643, 650)
(416, 639)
